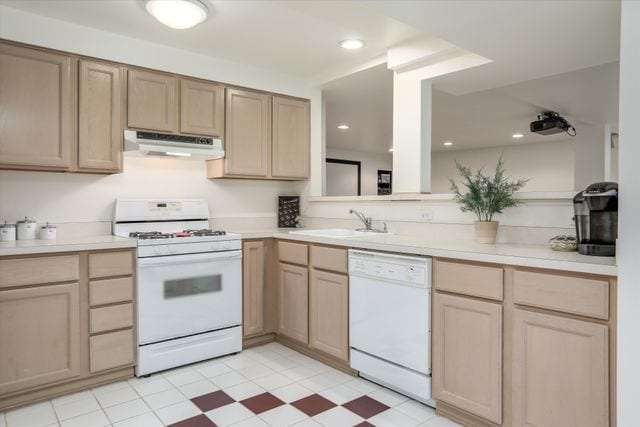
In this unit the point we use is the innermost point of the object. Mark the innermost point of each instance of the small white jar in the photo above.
(27, 229)
(48, 232)
(7, 232)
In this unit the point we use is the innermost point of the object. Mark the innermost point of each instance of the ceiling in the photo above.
(292, 37)
(488, 118)
(526, 39)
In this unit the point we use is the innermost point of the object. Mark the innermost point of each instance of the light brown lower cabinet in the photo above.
(329, 313)
(66, 323)
(253, 254)
(39, 336)
(467, 355)
(293, 319)
(560, 371)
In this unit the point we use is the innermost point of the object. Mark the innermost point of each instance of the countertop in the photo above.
(537, 256)
(71, 244)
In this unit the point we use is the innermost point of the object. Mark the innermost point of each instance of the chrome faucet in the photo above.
(365, 220)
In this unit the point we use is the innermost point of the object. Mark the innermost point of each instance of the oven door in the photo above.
(182, 295)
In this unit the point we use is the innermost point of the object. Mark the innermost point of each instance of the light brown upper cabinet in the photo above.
(37, 126)
(467, 355)
(152, 101)
(201, 108)
(560, 371)
(290, 145)
(247, 136)
(100, 107)
(40, 336)
(253, 259)
(294, 299)
(329, 313)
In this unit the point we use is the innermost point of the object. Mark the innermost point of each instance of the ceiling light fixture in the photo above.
(351, 44)
(392, 149)
(447, 143)
(343, 127)
(517, 135)
(178, 14)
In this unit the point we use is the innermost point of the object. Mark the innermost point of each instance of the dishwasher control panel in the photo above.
(412, 271)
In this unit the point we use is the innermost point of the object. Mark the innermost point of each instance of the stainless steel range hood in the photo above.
(182, 146)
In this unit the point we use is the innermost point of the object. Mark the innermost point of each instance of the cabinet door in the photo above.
(40, 336)
(201, 108)
(247, 133)
(329, 313)
(36, 109)
(100, 108)
(560, 371)
(253, 287)
(290, 153)
(152, 101)
(467, 355)
(294, 300)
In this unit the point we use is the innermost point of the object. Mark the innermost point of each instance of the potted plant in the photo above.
(486, 196)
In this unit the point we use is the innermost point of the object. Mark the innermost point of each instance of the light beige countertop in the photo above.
(71, 244)
(537, 256)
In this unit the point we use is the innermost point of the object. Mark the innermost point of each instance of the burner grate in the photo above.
(205, 232)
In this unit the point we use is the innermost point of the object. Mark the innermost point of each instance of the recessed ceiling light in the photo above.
(343, 127)
(392, 149)
(178, 14)
(447, 143)
(517, 135)
(351, 44)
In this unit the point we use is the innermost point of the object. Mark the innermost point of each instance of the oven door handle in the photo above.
(189, 258)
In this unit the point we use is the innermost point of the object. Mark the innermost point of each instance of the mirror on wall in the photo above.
(358, 120)
(475, 127)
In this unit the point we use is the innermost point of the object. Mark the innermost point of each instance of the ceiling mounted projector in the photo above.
(550, 122)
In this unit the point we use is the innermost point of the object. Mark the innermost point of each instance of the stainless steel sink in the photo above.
(338, 233)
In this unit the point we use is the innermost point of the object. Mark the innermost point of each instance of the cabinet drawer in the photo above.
(108, 291)
(108, 318)
(107, 264)
(32, 271)
(332, 259)
(468, 279)
(575, 295)
(295, 253)
(112, 350)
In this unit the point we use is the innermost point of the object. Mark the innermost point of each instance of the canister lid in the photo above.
(7, 225)
(26, 221)
(48, 226)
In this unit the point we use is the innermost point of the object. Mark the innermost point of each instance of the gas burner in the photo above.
(206, 232)
(145, 235)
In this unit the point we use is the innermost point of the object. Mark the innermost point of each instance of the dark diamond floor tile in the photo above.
(262, 402)
(213, 400)
(365, 424)
(365, 406)
(313, 405)
(197, 421)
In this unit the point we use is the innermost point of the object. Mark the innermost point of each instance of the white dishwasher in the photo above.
(390, 320)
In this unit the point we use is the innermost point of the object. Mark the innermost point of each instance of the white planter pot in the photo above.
(486, 231)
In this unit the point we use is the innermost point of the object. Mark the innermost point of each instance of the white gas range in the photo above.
(189, 282)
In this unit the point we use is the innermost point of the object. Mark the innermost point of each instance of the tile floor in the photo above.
(270, 385)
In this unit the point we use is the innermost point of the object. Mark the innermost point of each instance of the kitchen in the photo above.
(266, 112)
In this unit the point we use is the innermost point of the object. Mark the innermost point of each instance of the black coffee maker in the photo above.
(596, 217)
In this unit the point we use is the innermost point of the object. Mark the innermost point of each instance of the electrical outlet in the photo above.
(426, 215)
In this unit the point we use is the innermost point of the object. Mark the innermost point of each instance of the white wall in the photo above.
(371, 162)
(589, 155)
(629, 226)
(548, 165)
(60, 197)
(84, 198)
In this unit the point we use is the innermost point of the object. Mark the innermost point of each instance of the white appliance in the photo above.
(390, 321)
(184, 146)
(189, 282)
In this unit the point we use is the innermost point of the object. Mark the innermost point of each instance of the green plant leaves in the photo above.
(486, 195)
